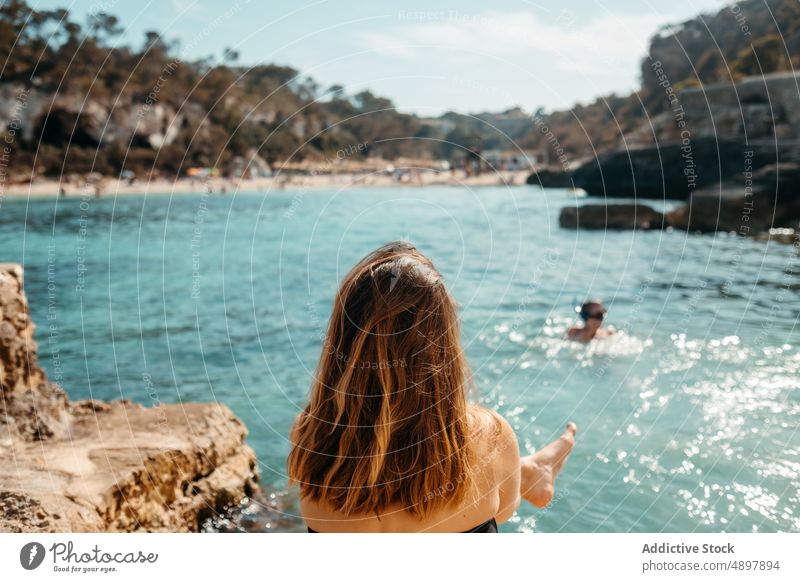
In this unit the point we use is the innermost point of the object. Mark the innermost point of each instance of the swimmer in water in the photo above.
(592, 314)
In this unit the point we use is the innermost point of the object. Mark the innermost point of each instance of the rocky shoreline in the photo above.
(93, 466)
(751, 203)
(730, 151)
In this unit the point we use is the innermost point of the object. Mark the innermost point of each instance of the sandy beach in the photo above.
(104, 186)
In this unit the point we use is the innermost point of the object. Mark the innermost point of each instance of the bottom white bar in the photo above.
(414, 558)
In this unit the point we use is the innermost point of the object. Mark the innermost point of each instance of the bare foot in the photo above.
(539, 470)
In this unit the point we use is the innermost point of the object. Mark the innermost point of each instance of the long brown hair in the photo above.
(386, 421)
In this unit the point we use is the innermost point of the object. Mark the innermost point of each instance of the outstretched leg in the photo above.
(539, 470)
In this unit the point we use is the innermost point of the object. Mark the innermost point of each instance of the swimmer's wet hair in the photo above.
(583, 310)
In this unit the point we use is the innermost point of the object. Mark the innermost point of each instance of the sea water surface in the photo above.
(688, 418)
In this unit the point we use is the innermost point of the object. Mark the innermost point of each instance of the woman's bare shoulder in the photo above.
(491, 430)
(498, 450)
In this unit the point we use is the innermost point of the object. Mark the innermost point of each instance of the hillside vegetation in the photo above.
(110, 108)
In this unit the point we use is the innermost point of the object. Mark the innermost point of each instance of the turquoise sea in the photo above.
(688, 419)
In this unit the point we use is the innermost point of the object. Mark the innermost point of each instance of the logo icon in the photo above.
(31, 555)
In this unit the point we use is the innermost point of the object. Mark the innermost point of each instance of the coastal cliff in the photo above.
(736, 163)
(88, 465)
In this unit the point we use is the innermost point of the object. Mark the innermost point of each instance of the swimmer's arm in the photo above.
(573, 332)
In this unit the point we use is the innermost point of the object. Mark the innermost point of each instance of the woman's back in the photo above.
(493, 498)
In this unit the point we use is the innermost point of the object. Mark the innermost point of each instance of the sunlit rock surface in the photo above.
(107, 466)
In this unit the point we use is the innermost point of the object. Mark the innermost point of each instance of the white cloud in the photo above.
(610, 40)
(189, 8)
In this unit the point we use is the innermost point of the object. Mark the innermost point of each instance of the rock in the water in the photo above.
(674, 170)
(106, 466)
(786, 236)
(751, 204)
(611, 217)
(550, 178)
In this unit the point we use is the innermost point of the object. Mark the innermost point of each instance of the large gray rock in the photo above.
(674, 170)
(756, 107)
(746, 205)
(611, 217)
(550, 178)
(760, 107)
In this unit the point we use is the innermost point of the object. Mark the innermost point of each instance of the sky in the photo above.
(427, 57)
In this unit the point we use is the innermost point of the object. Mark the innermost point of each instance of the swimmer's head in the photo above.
(592, 310)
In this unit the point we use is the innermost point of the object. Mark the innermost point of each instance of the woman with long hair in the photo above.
(388, 441)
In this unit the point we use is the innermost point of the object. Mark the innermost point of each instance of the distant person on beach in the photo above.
(592, 313)
(388, 441)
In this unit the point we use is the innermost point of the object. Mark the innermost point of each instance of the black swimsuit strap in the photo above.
(488, 526)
